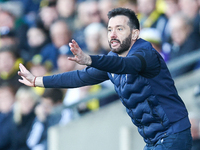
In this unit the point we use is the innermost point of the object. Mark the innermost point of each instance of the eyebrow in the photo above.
(117, 26)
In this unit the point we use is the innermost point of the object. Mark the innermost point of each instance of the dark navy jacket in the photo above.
(144, 84)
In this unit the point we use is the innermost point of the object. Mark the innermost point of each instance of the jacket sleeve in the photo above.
(35, 135)
(144, 62)
(74, 79)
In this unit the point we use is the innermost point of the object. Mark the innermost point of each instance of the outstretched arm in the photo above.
(28, 78)
(79, 57)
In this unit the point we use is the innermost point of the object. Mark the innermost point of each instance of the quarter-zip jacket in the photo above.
(144, 85)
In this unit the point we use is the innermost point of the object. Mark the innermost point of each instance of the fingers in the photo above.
(74, 47)
(79, 56)
(21, 80)
(72, 58)
(75, 43)
(26, 76)
(20, 73)
(22, 68)
(25, 81)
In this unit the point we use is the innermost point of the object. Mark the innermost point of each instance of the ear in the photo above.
(135, 34)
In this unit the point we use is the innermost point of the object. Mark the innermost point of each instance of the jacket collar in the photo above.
(137, 45)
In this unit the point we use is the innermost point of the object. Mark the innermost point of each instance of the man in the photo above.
(183, 42)
(141, 79)
(49, 112)
(7, 100)
(61, 36)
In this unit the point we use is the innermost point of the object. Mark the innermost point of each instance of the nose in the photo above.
(113, 34)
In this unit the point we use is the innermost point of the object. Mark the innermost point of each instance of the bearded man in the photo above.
(141, 79)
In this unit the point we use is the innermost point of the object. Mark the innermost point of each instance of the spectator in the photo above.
(183, 40)
(37, 39)
(84, 18)
(47, 15)
(60, 35)
(7, 19)
(198, 1)
(30, 11)
(15, 7)
(131, 4)
(65, 65)
(8, 69)
(77, 94)
(191, 9)
(104, 39)
(149, 16)
(181, 28)
(49, 112)
(37, 68)
(171, 8)
(7, 37)
(7, 99)
(87, 16)
(24, 116)
(68, 14)
(104, 7)
(92, 37)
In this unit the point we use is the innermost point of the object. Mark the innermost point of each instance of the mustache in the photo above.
(115, 40)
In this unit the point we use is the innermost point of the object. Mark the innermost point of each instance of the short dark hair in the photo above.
(133, 20)
(12, 49)
(9, 86)
(56, 95)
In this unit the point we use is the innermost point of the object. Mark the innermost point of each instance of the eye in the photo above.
(119, 29)
(109, 30)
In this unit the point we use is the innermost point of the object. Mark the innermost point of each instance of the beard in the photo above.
(124, 45)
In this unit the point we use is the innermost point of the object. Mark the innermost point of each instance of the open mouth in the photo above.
(115, 43)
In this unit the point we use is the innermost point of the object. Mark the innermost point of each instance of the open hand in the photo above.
(27, 77)
(79, 56)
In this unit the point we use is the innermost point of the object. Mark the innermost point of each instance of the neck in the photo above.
(124, 54)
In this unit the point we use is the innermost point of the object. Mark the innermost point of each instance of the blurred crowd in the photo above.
(36, 33)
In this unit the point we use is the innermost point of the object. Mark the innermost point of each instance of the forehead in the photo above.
(177, 22)
(118, 20)
(6, 53)
(59, 27)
